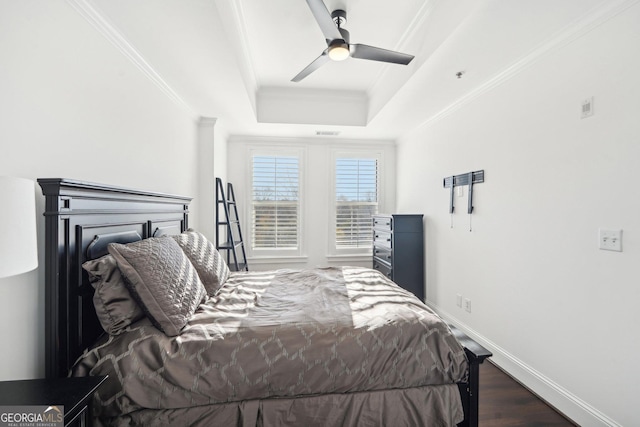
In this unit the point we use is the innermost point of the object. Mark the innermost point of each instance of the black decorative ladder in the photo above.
(228, 225)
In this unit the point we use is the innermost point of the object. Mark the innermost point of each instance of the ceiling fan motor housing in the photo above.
(339, 16)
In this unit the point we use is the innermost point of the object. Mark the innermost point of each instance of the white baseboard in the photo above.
(553, 393)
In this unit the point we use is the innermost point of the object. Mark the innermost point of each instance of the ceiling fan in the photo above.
(338, 46)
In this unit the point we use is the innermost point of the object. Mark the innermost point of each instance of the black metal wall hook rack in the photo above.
(469, 179)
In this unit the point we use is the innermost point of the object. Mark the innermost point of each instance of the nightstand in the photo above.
(73, 393)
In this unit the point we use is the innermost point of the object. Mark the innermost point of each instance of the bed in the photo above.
(326, 346)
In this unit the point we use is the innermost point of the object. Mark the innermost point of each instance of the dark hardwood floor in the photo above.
(506, 403)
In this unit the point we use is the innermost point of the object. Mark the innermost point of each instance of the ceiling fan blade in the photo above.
(363, 51)
(324, 20)
(317, 63)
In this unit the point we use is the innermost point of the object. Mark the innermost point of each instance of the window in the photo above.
(275, 207)
(356, 200)
(310, 202)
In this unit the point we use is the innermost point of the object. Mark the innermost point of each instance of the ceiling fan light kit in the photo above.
(338, 45)
(338, 50)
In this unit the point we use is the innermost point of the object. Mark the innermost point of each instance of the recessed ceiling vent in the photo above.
(327, 133)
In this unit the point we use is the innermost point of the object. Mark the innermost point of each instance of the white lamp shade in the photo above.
(18, 241)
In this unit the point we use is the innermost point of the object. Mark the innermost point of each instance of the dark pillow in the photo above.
(211, 267)
(115, 307)
(162, 279)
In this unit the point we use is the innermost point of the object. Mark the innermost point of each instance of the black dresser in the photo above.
(398, 250)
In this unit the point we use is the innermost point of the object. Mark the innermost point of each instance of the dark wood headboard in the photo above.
(81, 218)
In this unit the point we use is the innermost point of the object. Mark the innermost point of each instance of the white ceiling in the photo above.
(234, 59)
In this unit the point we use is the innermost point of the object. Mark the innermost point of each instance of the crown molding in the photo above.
(207, 121)
(595, 17)
(412, 31)
(99, 21)
(308, 140)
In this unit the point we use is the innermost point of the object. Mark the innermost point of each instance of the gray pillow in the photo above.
(115, 307)
(211, 267)
(162, 279)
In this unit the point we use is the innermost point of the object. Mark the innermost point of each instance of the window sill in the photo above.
(349, 258)
(277, 260)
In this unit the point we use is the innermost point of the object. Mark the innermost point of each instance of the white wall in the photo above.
(206, 175)
(72, 106)
(212, 164)
(557, 312)
(316, 178)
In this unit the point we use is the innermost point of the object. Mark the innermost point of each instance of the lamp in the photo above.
(18, 242)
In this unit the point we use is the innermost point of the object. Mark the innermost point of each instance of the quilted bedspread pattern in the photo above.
(280, 333)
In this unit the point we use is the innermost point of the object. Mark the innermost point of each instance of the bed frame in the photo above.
(81, 218)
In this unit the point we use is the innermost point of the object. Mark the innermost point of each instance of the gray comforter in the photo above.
(284, 334)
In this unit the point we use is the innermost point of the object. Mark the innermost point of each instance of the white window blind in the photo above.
(275, 202)
(356, 201)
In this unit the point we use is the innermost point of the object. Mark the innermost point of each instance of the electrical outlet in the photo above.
(459, 300)
(467, 304)
(610, 240)
(587, 108)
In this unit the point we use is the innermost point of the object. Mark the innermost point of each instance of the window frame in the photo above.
(275, 253)
(378, 155)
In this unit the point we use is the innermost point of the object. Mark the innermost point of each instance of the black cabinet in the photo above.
(398, 250)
